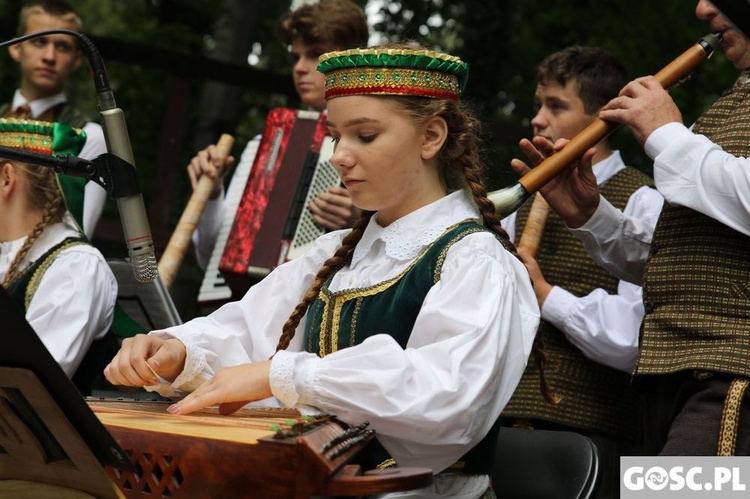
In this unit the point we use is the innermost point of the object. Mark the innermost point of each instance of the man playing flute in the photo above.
(694, 263)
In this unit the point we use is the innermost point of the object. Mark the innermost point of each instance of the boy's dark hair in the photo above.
(341, 23)
(598, 74)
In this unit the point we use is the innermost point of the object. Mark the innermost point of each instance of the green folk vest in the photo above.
(348, 317)
(697, 280)
(100, 352)
(23, 288)
(594, 397)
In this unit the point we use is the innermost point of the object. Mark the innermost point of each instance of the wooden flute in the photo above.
(508, 200)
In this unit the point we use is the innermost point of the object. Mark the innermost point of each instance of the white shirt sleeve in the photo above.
(437, 398)
(95, 197)
(73, 305)
(247, 330)
(692, 171)
(605, 326)
(430, 402)
(618, 242)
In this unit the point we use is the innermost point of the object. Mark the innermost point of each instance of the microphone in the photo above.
(127, 193)
(132, 210)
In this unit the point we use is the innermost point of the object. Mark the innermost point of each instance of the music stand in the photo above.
(47, 431)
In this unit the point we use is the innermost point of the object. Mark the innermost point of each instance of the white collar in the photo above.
(38, 106)
(405, 238)
(51, 236)
(608, 167)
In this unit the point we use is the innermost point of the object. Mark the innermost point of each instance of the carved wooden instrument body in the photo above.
(260, 452)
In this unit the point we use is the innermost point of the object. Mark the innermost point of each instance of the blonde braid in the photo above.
(42, 190)
(342, 255)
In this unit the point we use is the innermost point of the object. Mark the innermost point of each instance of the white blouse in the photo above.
(429, 403)
(74, 302)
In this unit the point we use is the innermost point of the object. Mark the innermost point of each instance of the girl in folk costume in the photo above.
(63, 283)
(419, 320)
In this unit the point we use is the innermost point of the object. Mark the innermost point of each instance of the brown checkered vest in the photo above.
(594, 397)
(697, 281)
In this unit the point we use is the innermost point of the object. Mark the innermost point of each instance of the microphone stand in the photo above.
(116, 176)
(114, 171)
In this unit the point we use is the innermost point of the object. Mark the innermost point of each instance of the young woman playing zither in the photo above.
(63, 283)
(419, 320)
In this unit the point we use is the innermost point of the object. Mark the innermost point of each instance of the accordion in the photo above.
(267, 221)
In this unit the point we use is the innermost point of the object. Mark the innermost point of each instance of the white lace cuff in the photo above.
(281, 378)
(292, 377)
(195, 365)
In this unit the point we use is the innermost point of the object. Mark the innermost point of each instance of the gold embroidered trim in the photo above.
(730, 417)
(339, 298)
(441, 256)
(391, 463)
(36, 142)
(355, 316)
(324, 317)
(388, 463)
(387, 80)
(36, 278)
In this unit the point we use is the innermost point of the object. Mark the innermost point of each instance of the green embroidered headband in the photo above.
(393, 72)
(40, 136)
(51, 139)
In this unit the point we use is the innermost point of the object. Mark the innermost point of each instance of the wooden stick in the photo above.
(180, 240)
(532, 232)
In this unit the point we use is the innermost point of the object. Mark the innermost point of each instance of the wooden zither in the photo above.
(262, 452)
(266, 220)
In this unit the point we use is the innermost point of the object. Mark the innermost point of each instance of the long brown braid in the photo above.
(460, 161)
(42, 190)
(342, 255)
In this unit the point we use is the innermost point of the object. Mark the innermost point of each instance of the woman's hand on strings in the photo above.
(573, 193)
(231, 388)
(144, 358)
